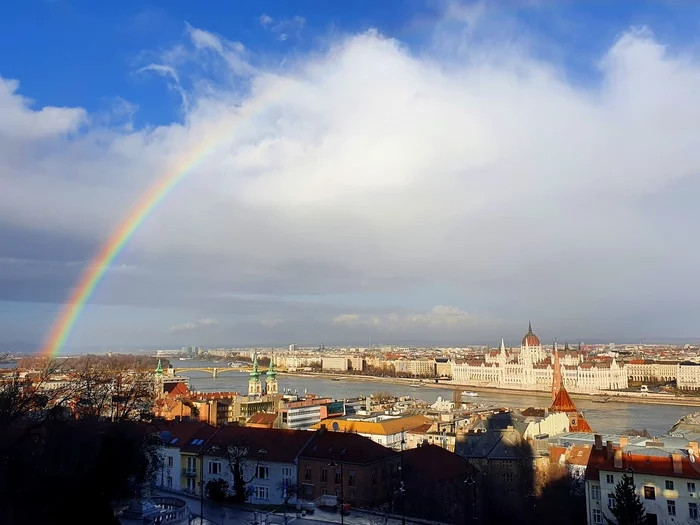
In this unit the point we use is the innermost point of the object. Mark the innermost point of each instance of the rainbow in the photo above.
(93, 274)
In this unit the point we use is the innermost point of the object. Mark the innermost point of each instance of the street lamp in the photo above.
(342, 483)
(402, 489)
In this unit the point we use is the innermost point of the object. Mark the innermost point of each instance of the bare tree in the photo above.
(237, 455)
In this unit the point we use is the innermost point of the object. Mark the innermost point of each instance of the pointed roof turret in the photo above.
(159, 368)
(255, 373)
(503, 345)
(271, 372)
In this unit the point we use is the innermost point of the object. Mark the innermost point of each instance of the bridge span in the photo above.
(215, 371)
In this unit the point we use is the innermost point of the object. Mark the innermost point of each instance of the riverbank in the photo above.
(612, 396)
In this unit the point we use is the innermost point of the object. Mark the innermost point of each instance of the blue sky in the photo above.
(362, 201)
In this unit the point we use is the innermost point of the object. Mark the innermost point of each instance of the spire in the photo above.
(566, 345)
(159, 368)
(255, 374)
(503, 345)
(556, 376)
(272, 373)
(529, 326)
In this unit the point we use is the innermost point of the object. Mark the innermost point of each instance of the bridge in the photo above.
(215, 371)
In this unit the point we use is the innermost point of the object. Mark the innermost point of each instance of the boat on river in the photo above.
(467, 393)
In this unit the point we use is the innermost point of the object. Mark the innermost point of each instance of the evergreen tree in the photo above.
(628, 508)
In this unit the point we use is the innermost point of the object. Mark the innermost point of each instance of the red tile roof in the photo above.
(563, 402)
(358, 449)
(262, 418)
(176, 389)
(653, 465)
(434, 463)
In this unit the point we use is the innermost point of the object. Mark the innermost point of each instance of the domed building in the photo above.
(531, 349)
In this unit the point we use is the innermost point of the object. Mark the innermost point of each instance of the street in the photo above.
(223, 515)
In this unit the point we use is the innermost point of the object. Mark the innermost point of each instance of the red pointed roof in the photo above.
(563, 402)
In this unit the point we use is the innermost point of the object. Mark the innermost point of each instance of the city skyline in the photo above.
(437, 173)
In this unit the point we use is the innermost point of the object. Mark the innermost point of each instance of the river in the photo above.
(605, 418)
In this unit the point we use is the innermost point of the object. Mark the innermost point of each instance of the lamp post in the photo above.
(342, 483)
(402, 488)
(201, 474)
(471, 483)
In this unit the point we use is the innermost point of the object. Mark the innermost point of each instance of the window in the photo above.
(611, 500)
(307, 474)
(595, 492)
(324, 491)
(324, 475)
(649, 493)
(263, 473)
(170, 461)
(261, 492)
(191, 484)
(597, 516)
(170, 482)
(338, 478)
(192, 464)
(671, 506)
(691, 486)
(214, 467)
(693, 511)
(610, 479)
(286, 472)
(351, 478)
(652, 519)
(352, 495)
(374, 477)
(669, 484)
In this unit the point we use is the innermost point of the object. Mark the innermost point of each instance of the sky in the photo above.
(414, 172)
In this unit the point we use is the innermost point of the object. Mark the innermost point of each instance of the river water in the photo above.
(605, 418)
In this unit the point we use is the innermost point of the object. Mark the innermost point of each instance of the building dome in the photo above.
(530, 338)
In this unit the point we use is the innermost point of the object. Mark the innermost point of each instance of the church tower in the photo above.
(254, 385)
(158, 379)
(556, 377)
(271, 386)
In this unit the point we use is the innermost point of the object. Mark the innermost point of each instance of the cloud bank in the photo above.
(358, 186)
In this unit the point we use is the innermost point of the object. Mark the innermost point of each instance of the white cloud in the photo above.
(193, 325)
(284, 28)
(438, 317)
(492, 183)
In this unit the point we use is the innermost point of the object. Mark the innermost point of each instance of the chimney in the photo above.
(624, 441)
(693, 445)
(598, 442)
(608, 449)
(677, 463)
(618, 458)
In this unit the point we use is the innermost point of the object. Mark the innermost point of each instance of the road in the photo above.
(215, 514)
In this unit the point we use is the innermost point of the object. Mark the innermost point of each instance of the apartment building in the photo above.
(688, 377)
(666, 475)
(335, 364)
(347, 465)
(383, 429)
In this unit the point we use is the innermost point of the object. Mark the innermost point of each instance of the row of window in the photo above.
(599, 519)
(670, 485)
(338, 477)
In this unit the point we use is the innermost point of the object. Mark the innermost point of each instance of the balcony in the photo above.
(189, 472)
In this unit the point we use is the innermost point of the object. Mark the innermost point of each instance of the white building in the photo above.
(688, 376)
(666, 478)
(340, 364)
(531, 368)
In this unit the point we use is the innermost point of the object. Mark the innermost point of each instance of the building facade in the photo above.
(532, 368)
